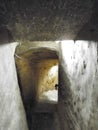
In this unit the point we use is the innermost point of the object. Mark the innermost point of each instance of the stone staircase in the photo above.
(45, 117)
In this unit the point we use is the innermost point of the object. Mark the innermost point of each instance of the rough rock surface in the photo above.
(79, 84)
(12, 114)
(44, 20)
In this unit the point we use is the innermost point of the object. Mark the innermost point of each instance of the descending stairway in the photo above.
(44, 121)
(44, 117)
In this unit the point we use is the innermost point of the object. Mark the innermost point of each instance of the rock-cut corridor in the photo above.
(49, 85)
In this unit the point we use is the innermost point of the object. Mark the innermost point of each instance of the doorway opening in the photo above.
(47, 85)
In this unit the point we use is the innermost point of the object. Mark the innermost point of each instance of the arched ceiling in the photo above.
(35, 55)
(44, 20)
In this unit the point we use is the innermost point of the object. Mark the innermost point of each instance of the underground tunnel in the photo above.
(37, 71)
(49, 85)
(40, 39)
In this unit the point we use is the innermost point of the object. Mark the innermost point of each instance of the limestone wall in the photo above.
(26, 77)
(79, 84)
(47, 75)
(12, 114)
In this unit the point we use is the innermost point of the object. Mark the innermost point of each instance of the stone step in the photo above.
(44, 107)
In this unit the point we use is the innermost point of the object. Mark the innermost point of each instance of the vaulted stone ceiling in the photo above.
(43, 20)
(37, 54)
